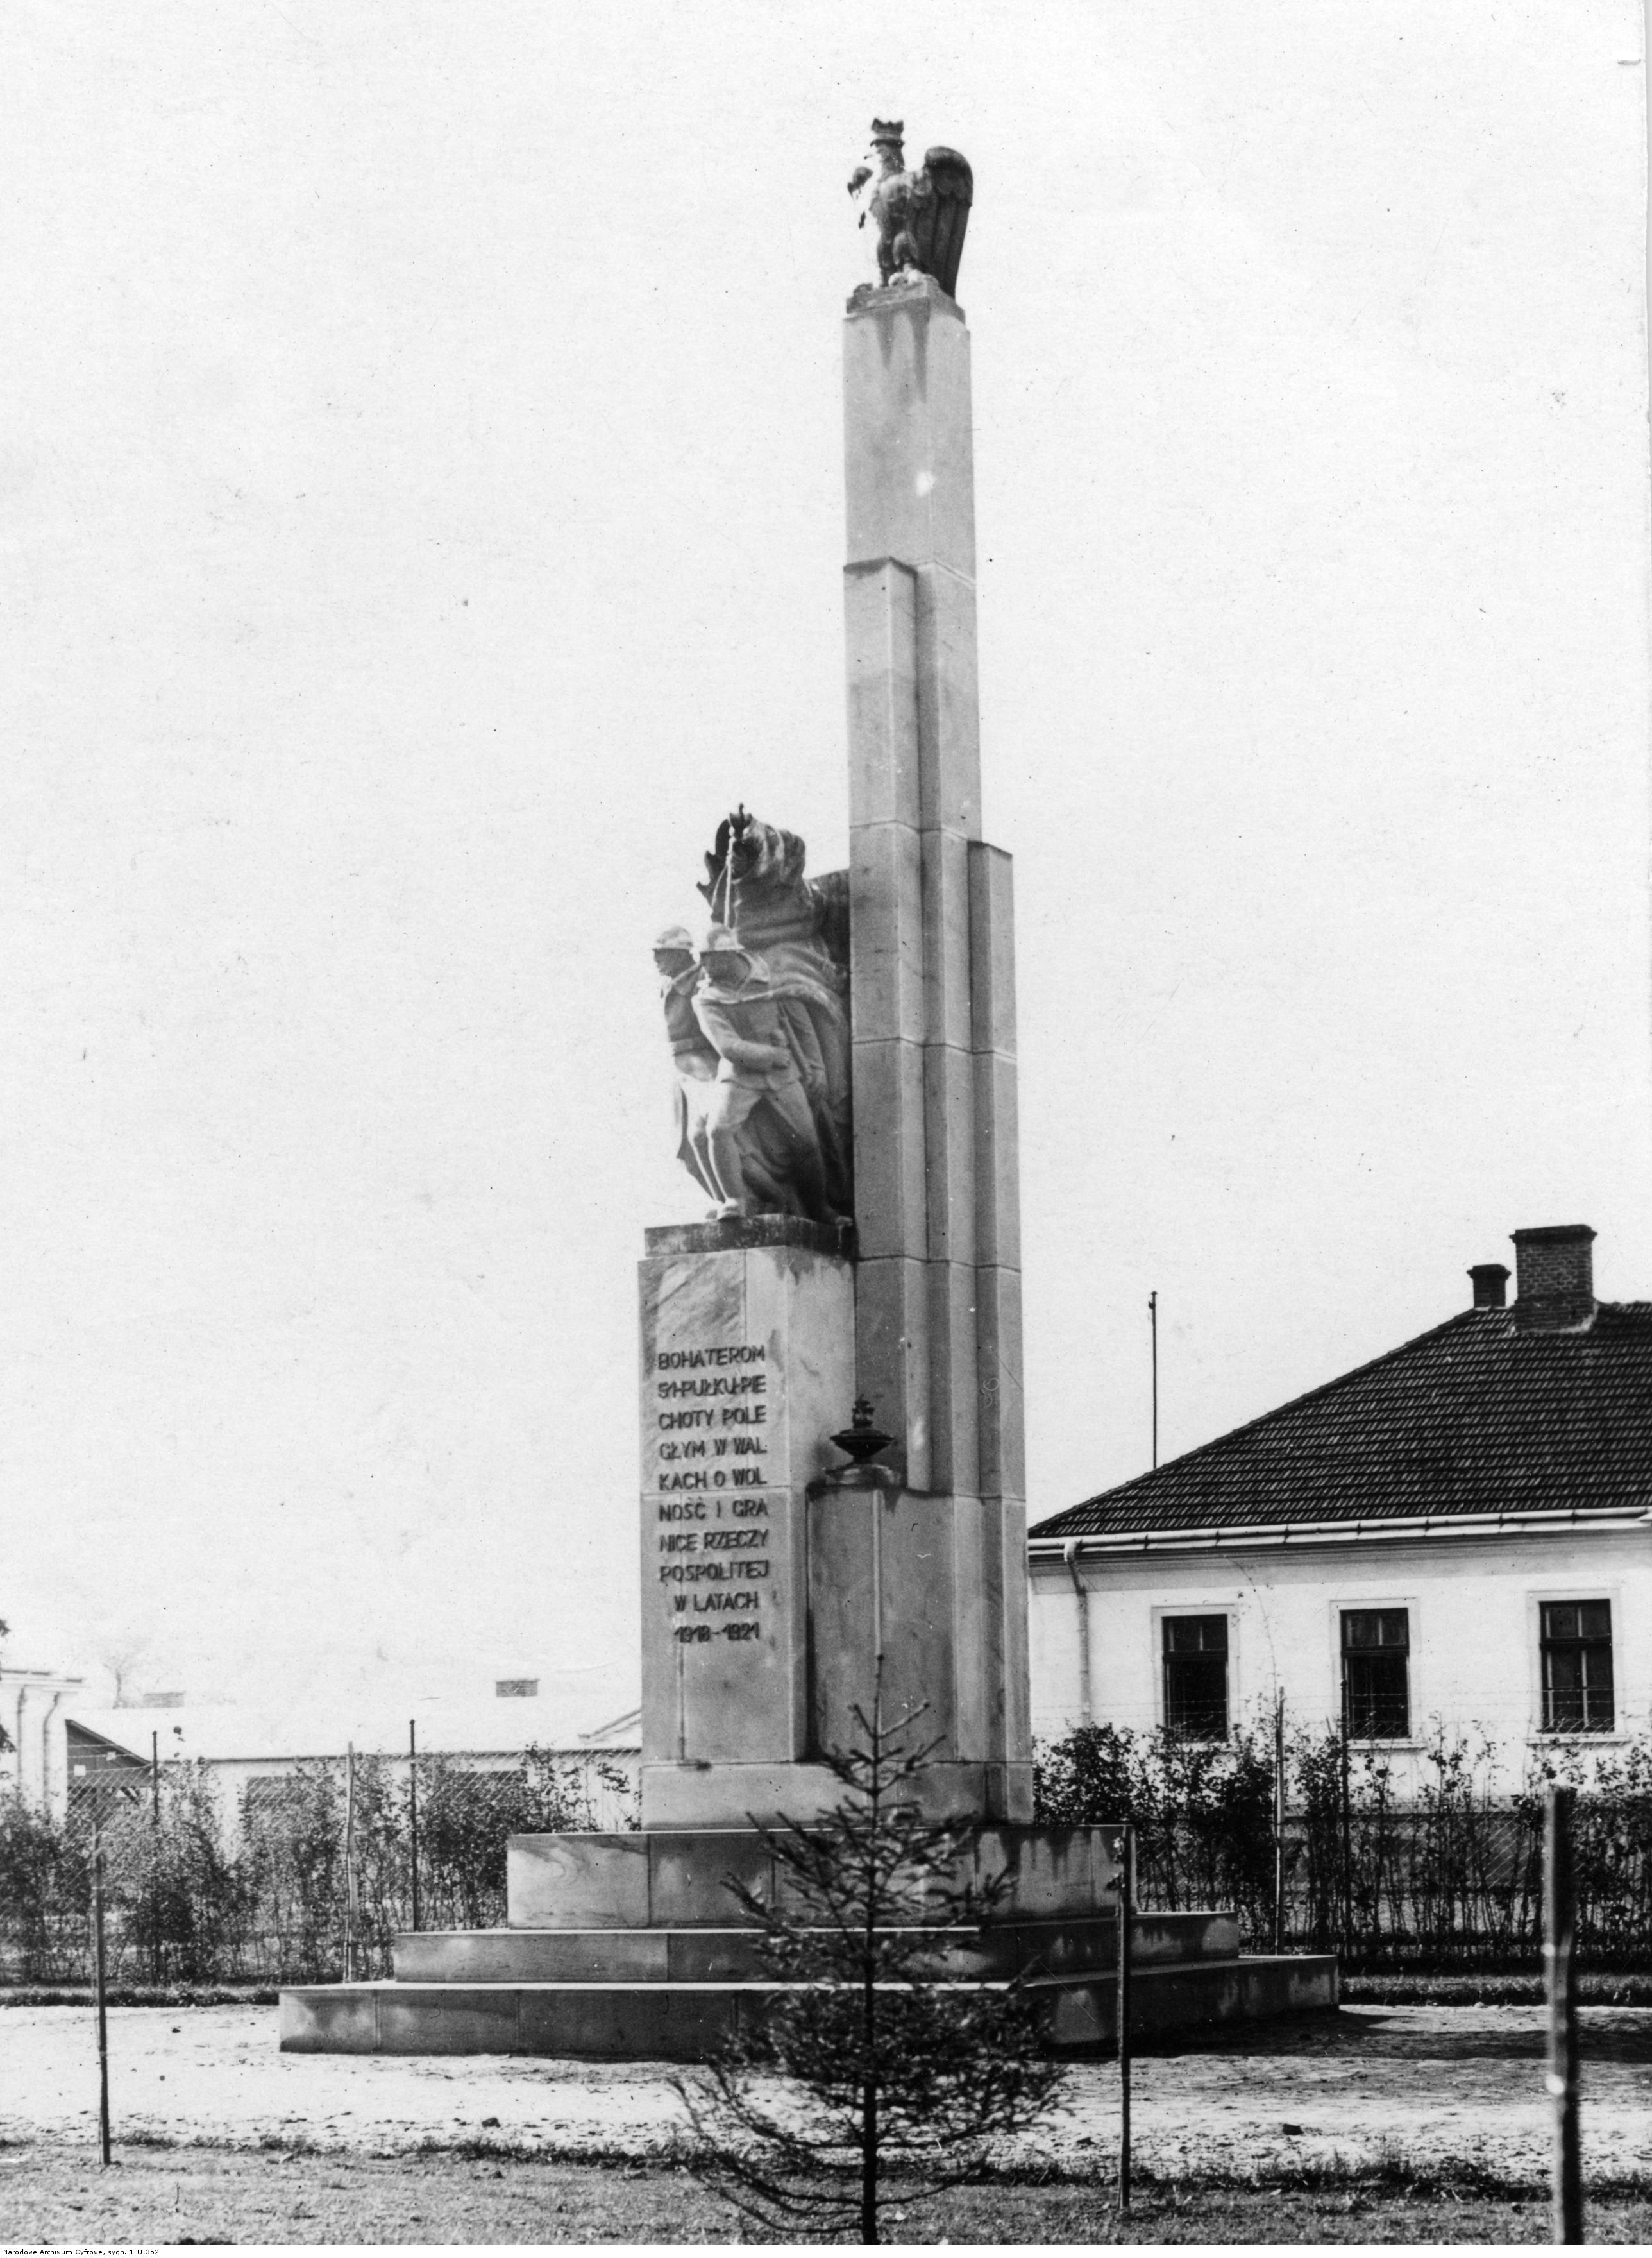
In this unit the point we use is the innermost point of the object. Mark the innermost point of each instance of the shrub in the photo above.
(1451, 1879)
(191, 1898)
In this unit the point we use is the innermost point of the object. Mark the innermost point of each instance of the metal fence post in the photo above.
(155, 1892)
(101, 1976)
(350, 1862)
(1559, 1928)
(412, 1815)
(1279, 1823)
(1126, 1912)
(1348, 1848)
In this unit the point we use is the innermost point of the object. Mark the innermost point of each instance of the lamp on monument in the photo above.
(860, 1441)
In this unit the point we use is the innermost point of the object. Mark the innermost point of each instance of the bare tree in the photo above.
(123, 1652)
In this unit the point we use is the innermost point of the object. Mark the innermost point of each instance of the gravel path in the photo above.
(1434, 2085)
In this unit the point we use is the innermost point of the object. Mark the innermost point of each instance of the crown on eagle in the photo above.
(888, 129)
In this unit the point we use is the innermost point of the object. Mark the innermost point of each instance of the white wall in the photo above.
(1473, 1623)
(34, 1711)
(610, 1809)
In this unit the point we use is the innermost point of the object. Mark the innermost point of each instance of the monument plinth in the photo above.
(836, 1042)
(747, 1359)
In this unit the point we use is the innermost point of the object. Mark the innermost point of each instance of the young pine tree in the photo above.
(874, 2077)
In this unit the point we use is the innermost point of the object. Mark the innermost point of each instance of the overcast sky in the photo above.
(422, 486)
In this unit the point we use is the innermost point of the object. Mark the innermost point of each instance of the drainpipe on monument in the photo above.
(1069, 1553)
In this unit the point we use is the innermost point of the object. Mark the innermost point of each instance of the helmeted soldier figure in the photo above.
(760, 1129)
(691, 1055)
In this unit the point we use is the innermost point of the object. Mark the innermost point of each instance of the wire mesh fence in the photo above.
(299, 1877)
(304, 1876)
(1448, 1877)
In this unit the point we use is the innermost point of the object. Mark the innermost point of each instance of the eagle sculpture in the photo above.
(921, 217)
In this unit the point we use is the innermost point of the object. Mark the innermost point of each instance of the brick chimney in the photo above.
(1490, 1279)
(1554, 1277)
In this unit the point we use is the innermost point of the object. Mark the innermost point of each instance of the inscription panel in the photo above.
(711, 1418)
(717, 1544)
(741, 1354)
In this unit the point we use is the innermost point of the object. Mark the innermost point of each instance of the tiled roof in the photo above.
(1476, 1416)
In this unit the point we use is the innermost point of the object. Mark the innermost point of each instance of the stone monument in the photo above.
(844, 1051)
(923, 1316)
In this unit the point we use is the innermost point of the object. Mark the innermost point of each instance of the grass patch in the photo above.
(486, 2195)
(1597, 1989)
(140, 1995)
(1386, 2174)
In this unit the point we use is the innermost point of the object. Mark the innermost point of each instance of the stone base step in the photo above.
(679, 1878)
(687, 2021)
(1192, 1996)
(732, 1955)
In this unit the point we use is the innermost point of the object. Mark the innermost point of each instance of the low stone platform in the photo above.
(1189, 1997)
(733, 1955)
(625, 1948)
(680, 1876)
(685, 2021)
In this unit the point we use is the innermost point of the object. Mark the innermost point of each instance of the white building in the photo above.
(241, 1746)
(1459, 1534)
(34, 1710)
(54, 1742)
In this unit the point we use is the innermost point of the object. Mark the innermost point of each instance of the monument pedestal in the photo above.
(779, 1591)
(626, 1948)
(748, 1361)
(781, 1597)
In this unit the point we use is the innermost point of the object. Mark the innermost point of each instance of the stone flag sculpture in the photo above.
(758, 1024)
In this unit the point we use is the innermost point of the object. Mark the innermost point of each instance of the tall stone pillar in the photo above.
(938, 1280)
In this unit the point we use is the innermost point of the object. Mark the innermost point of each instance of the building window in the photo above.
(1197, 1677)
(516, 1689)
(266, 1796)
(1578, 1666)
(1376, 1673)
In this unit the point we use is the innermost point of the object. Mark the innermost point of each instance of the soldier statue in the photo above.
(691, 1055)
(758, 1027)
(760, 1130)
(798, 928)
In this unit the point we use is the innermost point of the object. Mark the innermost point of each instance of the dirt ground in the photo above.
(1379, 2123)
(1436, 2086)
